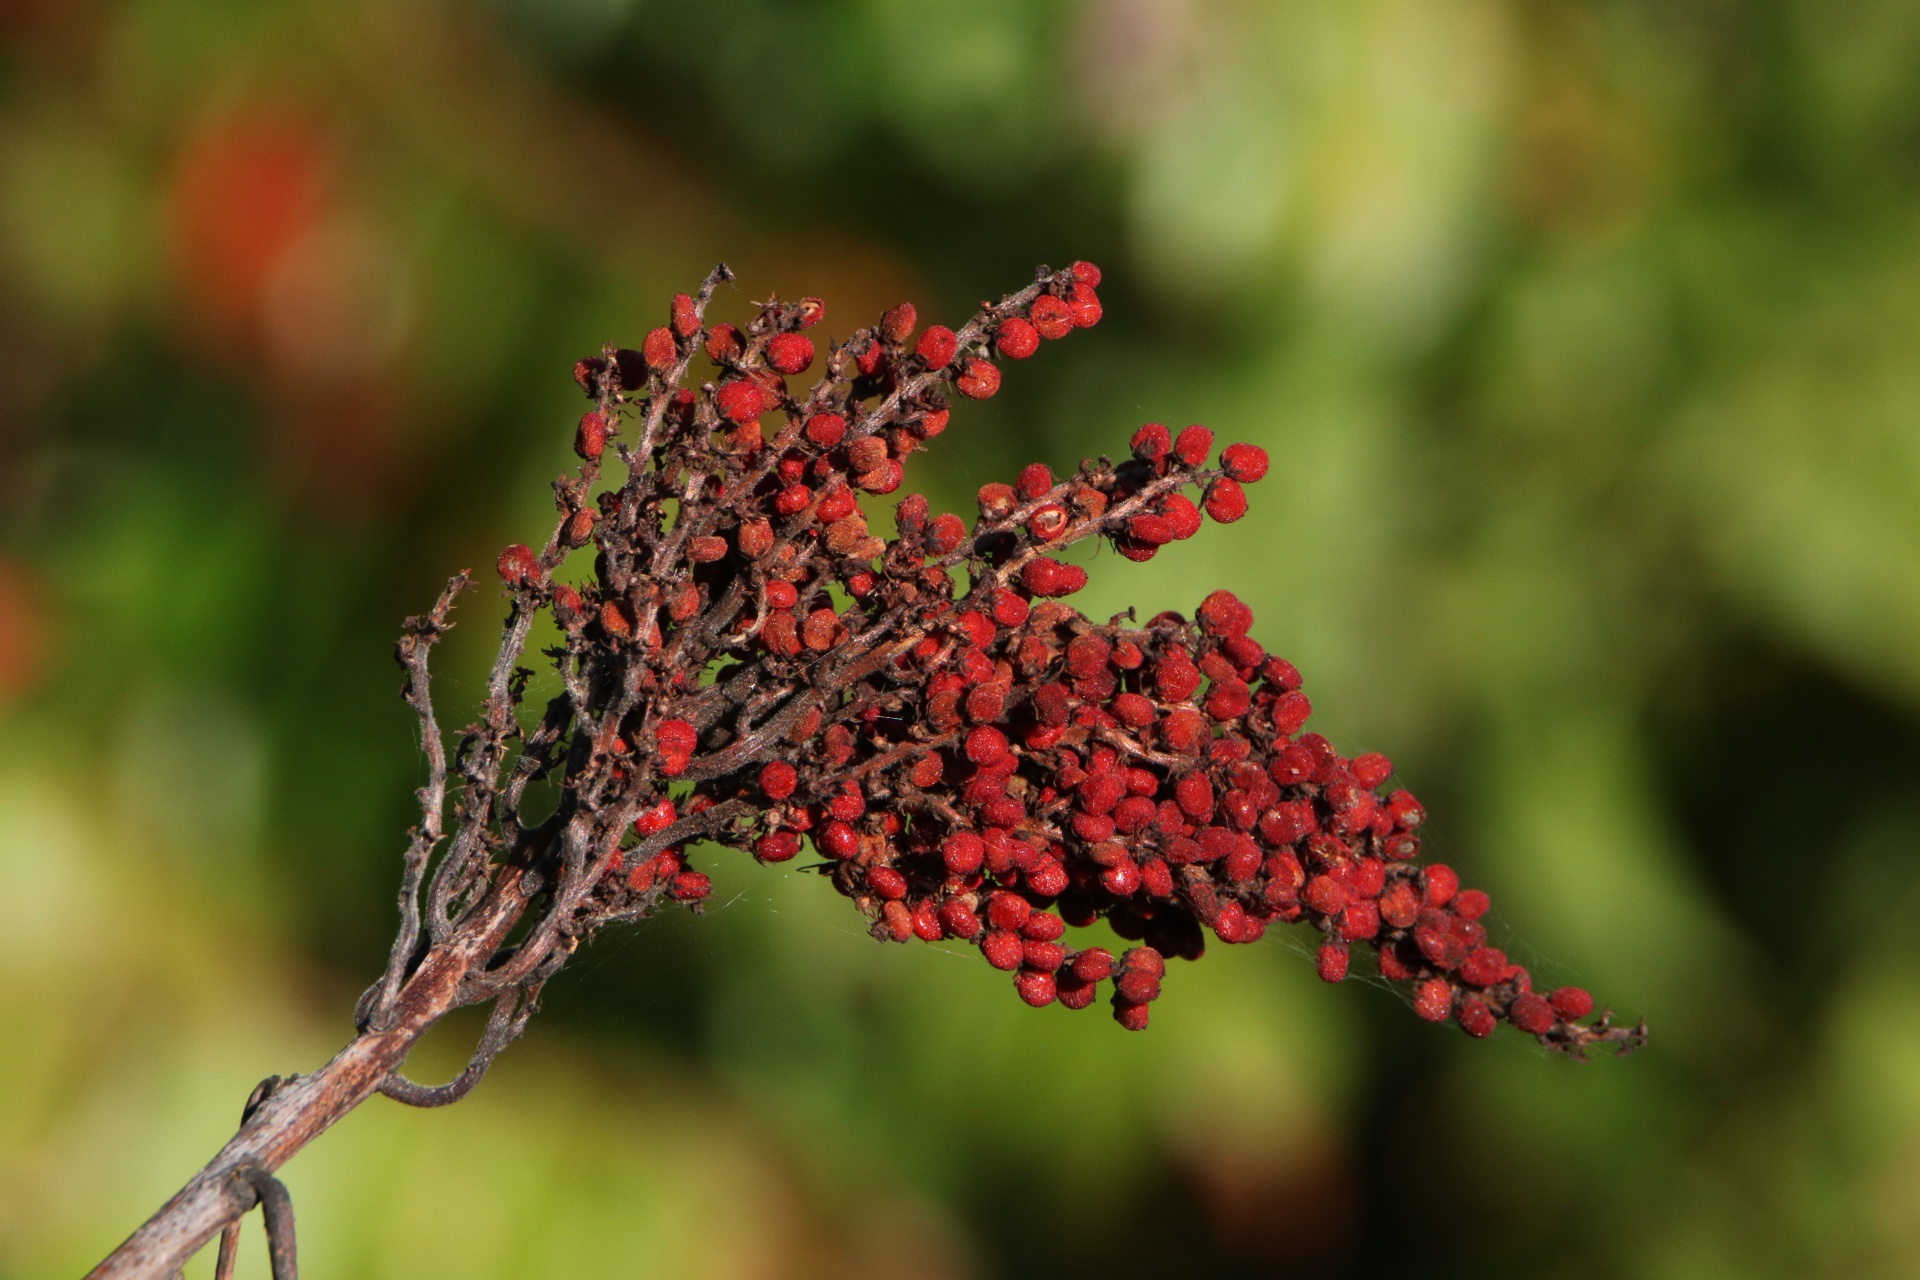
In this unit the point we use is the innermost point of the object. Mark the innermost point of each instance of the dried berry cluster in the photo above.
(750, 664)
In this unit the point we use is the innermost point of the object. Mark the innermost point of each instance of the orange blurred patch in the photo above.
(22, 631)
(245, 190)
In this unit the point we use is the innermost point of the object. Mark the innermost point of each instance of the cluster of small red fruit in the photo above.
(973, 758)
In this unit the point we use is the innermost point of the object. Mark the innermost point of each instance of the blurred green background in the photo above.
(1586, 338)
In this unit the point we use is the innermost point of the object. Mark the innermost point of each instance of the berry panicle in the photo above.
(977, 762)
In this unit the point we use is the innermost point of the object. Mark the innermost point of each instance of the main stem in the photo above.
(307, 1106)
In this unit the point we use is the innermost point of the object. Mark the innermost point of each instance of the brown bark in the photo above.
(305, 1107)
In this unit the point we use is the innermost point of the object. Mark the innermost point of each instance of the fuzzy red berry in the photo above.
(690, 886)
(1226, 501)
(887, 882)
(790, 353)
(659, 350)
(685, 315)
(1016, 339)
(937, 346)
(1002, 949)
(1433, 999)
(1193, 445)
(1332, 961)
(958, 919)
(1152, 442)
(1571, 1003)
(518, 566)
(1035, 988)
(897, 325)
(1475, 1018)
(1244, 462)
(979, 381)
(590, 440)
(1532, 1014)
(1083, 306)
(1086, 273)
(1439, 883)
(837, 840)
(740, 400)
(1050, 317)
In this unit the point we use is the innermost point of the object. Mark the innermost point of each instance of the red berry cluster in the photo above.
(973, 758)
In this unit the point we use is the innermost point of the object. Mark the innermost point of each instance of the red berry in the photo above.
(1137, 986)
(1152, 442)
(1531, 1014)
(1036, 988)
(1176, 679)
(1571, 1003)
(826, 429)
(979, 381)
(1095, 964)
(1475, 1018)
(1324, 895)
(1034, 481)
(518, 566)
(963, 852)
(986, 745)
(1471, 904)
(1433, 999)
(958, 920)
(936, 346)
(590, 441)
(1182, 517)
(656, 819)
(778, 780)
(1086, 273)
(887, 882)
(1122, 879)
(781, 595)
(1083, 305)
(1042, 955)
(1440, 883)
(1226, 500)
(790, 352)
(1129, 1015)
(1193, 445)
(1048, 878)
(837, 840)
(1484, 967)
(897, 325)
(1371, 769)
(1332, 961)
(659, 350)
(724, 343)
(1008, 910)
(1244, 462)
(777, 846)
(1016, 339)
(1050, 317)
(1009, 610)
(740, 400)
(690, 886)
(1073, 993)
(685, 316)
(1002, 949)
(810, 312)
(945, 533)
